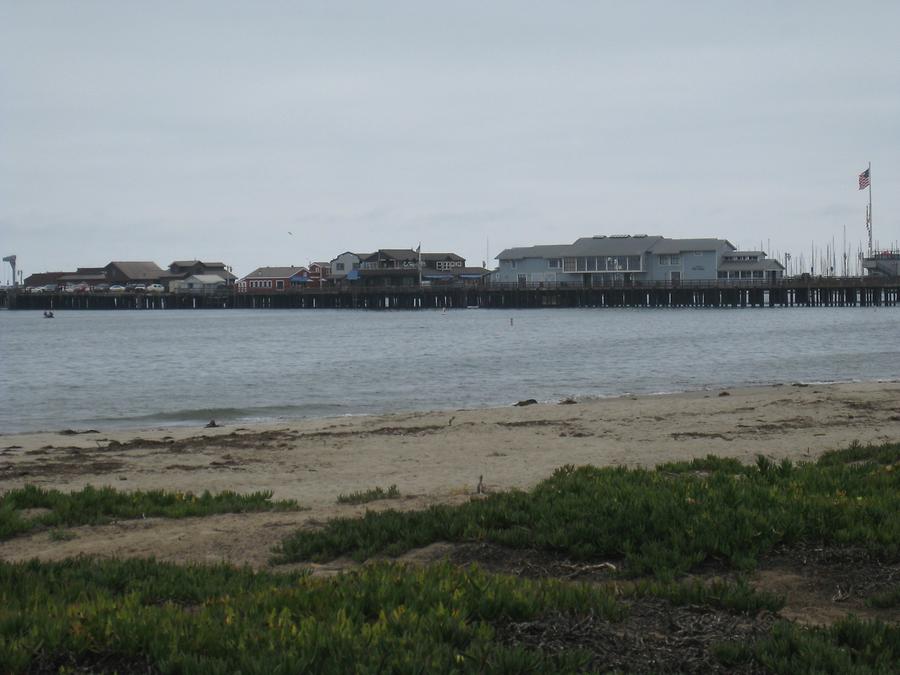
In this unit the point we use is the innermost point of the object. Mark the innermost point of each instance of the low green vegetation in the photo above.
(31, 508)
(85, 615)
(889, 599)
(849, 647)
(372, 495)
(664, 521)
(93, 615)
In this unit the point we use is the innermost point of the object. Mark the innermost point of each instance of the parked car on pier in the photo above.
(77, 288)
(116, 288)
(156, 288)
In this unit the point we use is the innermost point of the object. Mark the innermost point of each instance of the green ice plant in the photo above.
(662, 521)
(93, 506)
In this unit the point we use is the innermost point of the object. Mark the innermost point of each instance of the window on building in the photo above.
(674, 259)
(339, 266)
(554, 263)
(279, 283)
(663, 260)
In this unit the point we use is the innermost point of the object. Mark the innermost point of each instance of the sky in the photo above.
(279, 133)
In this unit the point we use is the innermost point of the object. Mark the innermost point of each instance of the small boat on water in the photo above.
(48, 314)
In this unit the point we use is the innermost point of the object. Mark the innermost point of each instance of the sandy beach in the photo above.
(434, 457)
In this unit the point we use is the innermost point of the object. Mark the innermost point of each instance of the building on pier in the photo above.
(346, 265)
(183, 269)
(603, 260)
(199, 283)
(607, 260)
(42, 279)
(269, 279)
(133, 272)
(883, 264)
(403, 267)
(744, 265)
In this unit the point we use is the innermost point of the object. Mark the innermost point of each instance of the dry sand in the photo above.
(434, 457)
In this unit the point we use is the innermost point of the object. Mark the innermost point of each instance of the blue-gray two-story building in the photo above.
(603, 260)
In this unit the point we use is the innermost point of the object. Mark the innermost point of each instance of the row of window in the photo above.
(744, 274)
(670, 260)
(265, 283)
(617, 263)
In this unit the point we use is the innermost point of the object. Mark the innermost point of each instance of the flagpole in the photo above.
(870, 209)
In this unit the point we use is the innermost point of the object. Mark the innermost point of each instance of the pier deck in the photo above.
(814, 292)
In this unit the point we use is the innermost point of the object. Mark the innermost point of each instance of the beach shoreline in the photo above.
(432, 457)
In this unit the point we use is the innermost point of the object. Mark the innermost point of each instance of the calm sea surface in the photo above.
(149, 368)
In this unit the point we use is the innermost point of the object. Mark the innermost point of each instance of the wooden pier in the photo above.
(814, 292)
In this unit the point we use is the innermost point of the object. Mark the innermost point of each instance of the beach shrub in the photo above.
(663, 521)
(888, 599)
(94, 506)
(365, 496)
(851, 646)
(89, 615)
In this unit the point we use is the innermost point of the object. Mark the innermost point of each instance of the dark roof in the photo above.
(138, 270)
(43, 278)
(442, 256)
(392, 253)
(191, 263)
(615, 244)
(274, 272)
(601, 245)
(675, 246)
(545, 251)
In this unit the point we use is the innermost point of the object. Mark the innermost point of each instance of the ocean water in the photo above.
(138, 369)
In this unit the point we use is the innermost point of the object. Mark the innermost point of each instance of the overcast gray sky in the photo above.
(179, 130)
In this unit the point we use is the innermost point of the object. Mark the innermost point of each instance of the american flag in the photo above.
(864, 180)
